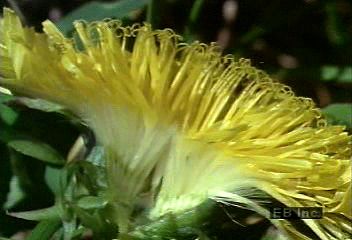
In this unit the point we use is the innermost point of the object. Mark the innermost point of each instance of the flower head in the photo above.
(182, 123)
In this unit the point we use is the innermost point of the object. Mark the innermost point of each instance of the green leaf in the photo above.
(40, 104)
(87, 219)
(38, 150)
(78, 232)
(339, 113)
(56, 179)
(93, 177)
(15, 195)
(44, 106)
(336, 73)
(69, 228)
(5, 97)
(92, 202)
(96, 156)
(93, 11)
(8, 115)
(38, 215)
(44, 230)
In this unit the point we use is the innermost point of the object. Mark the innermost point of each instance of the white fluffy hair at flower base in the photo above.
(184, 125)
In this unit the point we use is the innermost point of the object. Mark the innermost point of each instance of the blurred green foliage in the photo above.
(339, 113)
(306, 44)
(93, 11)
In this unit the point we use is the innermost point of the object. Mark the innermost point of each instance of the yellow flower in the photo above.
(184, 124)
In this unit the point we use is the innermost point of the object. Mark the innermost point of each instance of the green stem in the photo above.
(45, 229)
(153, 10)
(193, 18)
(171, 226)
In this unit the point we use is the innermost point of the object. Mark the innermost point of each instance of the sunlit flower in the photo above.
(183, 124)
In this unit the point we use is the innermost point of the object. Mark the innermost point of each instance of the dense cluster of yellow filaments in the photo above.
(184, 122)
